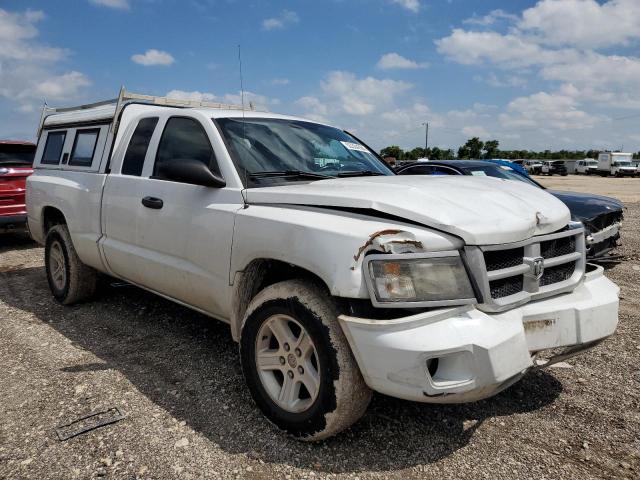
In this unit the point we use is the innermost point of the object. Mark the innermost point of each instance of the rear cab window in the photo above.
(53, 147)
(77, 147)
(84, 147)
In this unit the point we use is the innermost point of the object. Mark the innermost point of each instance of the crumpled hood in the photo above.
(482, 211)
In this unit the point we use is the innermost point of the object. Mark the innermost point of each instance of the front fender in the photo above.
(327, 242)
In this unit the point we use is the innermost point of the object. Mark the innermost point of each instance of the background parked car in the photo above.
(16, 160)
(601, 216)
(552, 167)
(534, 167)
(587, 166)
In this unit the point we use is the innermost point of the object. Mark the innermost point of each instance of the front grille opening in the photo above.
(499, 259)
(557, 274)
(506, 286)
(558, 247)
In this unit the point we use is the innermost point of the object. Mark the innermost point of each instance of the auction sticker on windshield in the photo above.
(355, 146)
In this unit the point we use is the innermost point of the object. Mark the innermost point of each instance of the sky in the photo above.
(548, 74)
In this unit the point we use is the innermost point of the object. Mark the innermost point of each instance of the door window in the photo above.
(53, 147)
(184, 138)
(84, 146)
(138, 145)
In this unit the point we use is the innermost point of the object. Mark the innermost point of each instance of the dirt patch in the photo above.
(625, 189)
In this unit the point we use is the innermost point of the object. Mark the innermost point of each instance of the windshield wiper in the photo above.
(289, 173)
(360, 173)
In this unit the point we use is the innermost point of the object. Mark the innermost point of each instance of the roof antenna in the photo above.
(245, 191)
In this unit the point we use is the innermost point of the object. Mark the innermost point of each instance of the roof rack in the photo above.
(125, 97)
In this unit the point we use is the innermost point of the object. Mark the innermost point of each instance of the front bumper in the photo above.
(478, 354)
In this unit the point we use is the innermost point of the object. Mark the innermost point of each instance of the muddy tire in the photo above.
(70, 280)
(298, 364)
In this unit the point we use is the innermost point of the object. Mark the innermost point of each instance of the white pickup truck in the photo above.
(336, 276)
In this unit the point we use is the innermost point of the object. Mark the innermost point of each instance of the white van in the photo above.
(586, 166)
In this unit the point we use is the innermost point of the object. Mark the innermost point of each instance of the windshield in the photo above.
(500, 172)
(622, 163)
(270, 151)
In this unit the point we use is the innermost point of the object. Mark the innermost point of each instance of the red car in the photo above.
(16, 160)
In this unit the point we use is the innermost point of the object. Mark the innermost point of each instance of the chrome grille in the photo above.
(512, 274)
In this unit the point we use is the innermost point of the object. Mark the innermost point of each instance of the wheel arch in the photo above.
(258, 275)
(52, 216)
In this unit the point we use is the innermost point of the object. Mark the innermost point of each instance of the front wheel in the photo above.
(298, 364)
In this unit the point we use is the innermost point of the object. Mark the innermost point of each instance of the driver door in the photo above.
(182, 232)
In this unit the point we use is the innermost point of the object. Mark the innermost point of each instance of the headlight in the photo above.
(418, 280)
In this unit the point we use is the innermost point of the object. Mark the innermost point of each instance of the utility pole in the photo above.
(426, 137)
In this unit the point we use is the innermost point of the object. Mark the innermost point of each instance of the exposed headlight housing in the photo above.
(416, 280)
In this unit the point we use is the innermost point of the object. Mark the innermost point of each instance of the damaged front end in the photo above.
(603, 235)
(602, 219)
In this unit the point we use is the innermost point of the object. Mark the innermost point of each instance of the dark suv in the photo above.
(554, 167)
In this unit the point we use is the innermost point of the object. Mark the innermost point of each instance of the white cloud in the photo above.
(361, 96)
(411, 5)
(312, 105)
(549, 111)
(61, 87)
(259, 102)
(583, 23)
(193, 95)
(153, 57)
(491, 18)
(507, 51)
(286, 17)
(504, 81)
(119, 4)
(381, 111)
(28, 72)
(394, 61)
(475, 131)
(557, 42)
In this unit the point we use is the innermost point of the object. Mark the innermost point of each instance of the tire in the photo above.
(70, 280)
(341, 396)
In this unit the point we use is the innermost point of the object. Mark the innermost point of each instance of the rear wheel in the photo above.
(298, 364)
(70, 280)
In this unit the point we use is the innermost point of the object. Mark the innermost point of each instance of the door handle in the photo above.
(152, 202)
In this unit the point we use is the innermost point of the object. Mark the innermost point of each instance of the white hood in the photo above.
(482, 211)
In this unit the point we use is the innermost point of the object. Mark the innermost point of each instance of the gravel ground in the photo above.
(176, 375)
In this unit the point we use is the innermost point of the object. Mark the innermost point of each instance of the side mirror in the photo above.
(189, 170)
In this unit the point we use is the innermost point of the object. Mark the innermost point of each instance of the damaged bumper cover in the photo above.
(461, 354)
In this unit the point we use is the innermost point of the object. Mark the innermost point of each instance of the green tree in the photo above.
(491, 149)
(471, 149)
(417, 153)
(392, 151)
